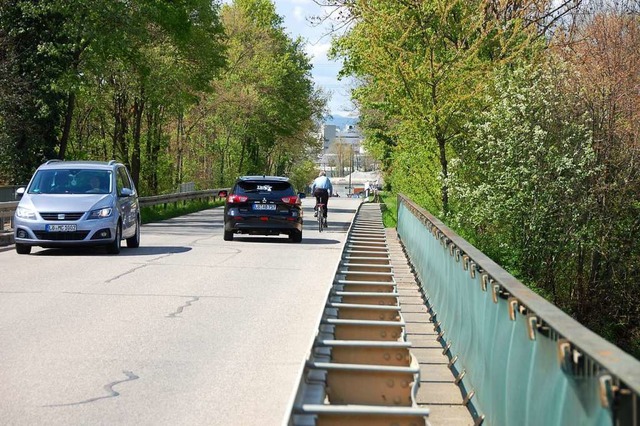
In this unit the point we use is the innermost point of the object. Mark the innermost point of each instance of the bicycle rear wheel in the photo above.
(320, 218)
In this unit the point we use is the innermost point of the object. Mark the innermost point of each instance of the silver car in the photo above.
(75, 203)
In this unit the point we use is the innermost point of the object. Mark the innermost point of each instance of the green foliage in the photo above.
(423, 67)
(91, 68)
(146, 83)
(34, 58)
(389, 209)
(302, 174)
(261, 113)
(528, 150)
(521, 192)
(415, 172)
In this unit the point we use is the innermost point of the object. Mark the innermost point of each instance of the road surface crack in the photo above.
(109, 388)
(130, 271)
(181, 308)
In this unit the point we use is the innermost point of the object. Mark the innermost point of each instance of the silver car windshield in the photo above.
(71, 181)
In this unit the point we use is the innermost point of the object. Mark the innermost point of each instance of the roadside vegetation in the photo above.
(189, 91)
(389, 206)
(517, 124)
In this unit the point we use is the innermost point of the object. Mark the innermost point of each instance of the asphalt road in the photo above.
(187, 329)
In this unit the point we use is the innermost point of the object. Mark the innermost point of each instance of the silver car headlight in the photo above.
(100, 213)
(23, 213)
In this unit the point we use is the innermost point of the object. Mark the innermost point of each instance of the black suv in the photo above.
(263, 205)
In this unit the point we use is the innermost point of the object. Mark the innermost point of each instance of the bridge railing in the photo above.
(7, 209)
(518, 358)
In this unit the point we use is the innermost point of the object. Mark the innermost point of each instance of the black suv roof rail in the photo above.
(55, 160)
(112, 162)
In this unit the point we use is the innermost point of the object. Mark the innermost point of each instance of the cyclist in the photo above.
(321, 188)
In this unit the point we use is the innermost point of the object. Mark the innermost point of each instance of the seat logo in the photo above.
(61, 216)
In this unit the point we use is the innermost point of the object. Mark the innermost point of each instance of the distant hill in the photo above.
(341, 121)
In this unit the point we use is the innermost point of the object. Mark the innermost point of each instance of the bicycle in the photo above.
(322, 222)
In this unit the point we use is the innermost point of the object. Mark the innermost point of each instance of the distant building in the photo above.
(330, 135)
(329, 132)
(350, 134)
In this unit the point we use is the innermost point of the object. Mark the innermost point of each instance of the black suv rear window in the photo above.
(277, 189)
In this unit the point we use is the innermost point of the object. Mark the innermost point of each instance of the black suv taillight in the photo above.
(233, 198)
(293, 199)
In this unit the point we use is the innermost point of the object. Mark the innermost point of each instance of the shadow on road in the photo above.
(330, 211)
(318, 241)
(100, 251)
(281, 240)
(146, 251)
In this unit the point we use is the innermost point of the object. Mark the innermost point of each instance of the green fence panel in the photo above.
(522, 369)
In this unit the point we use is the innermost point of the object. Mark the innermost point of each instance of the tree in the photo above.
(261, 112)
(32, 105)
(422, 67)
(101, 55)
(302, 174)
(520, 186)
(602, 53)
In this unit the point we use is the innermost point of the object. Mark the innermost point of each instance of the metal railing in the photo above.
(8, 193)
(521, 359)
(7, 209)
(6, 215)
(167, 199)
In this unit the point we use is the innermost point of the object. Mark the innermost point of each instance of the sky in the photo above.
(295, 14)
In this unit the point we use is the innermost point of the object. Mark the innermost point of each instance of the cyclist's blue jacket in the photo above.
(322, 182)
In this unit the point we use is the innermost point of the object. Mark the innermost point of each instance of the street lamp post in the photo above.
(350, 169)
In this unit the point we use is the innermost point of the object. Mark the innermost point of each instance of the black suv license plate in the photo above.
(264, 206)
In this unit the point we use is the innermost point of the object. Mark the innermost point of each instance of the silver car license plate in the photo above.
(61, 228)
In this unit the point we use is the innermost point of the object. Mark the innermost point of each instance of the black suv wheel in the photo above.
(296, 236)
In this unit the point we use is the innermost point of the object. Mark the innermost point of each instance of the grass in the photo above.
(389, 209)
(158, 213)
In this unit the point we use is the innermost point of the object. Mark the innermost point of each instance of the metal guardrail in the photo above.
(525, 360)
(8, 192)
(7, 209)
(180, 197)
(6, 215)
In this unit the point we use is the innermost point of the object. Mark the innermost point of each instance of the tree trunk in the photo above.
(245, 141)
(444, 170)
(138, 107)
(121, 127)
(223, 159)
(179, 136)
(66, 130)
(154, 135)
